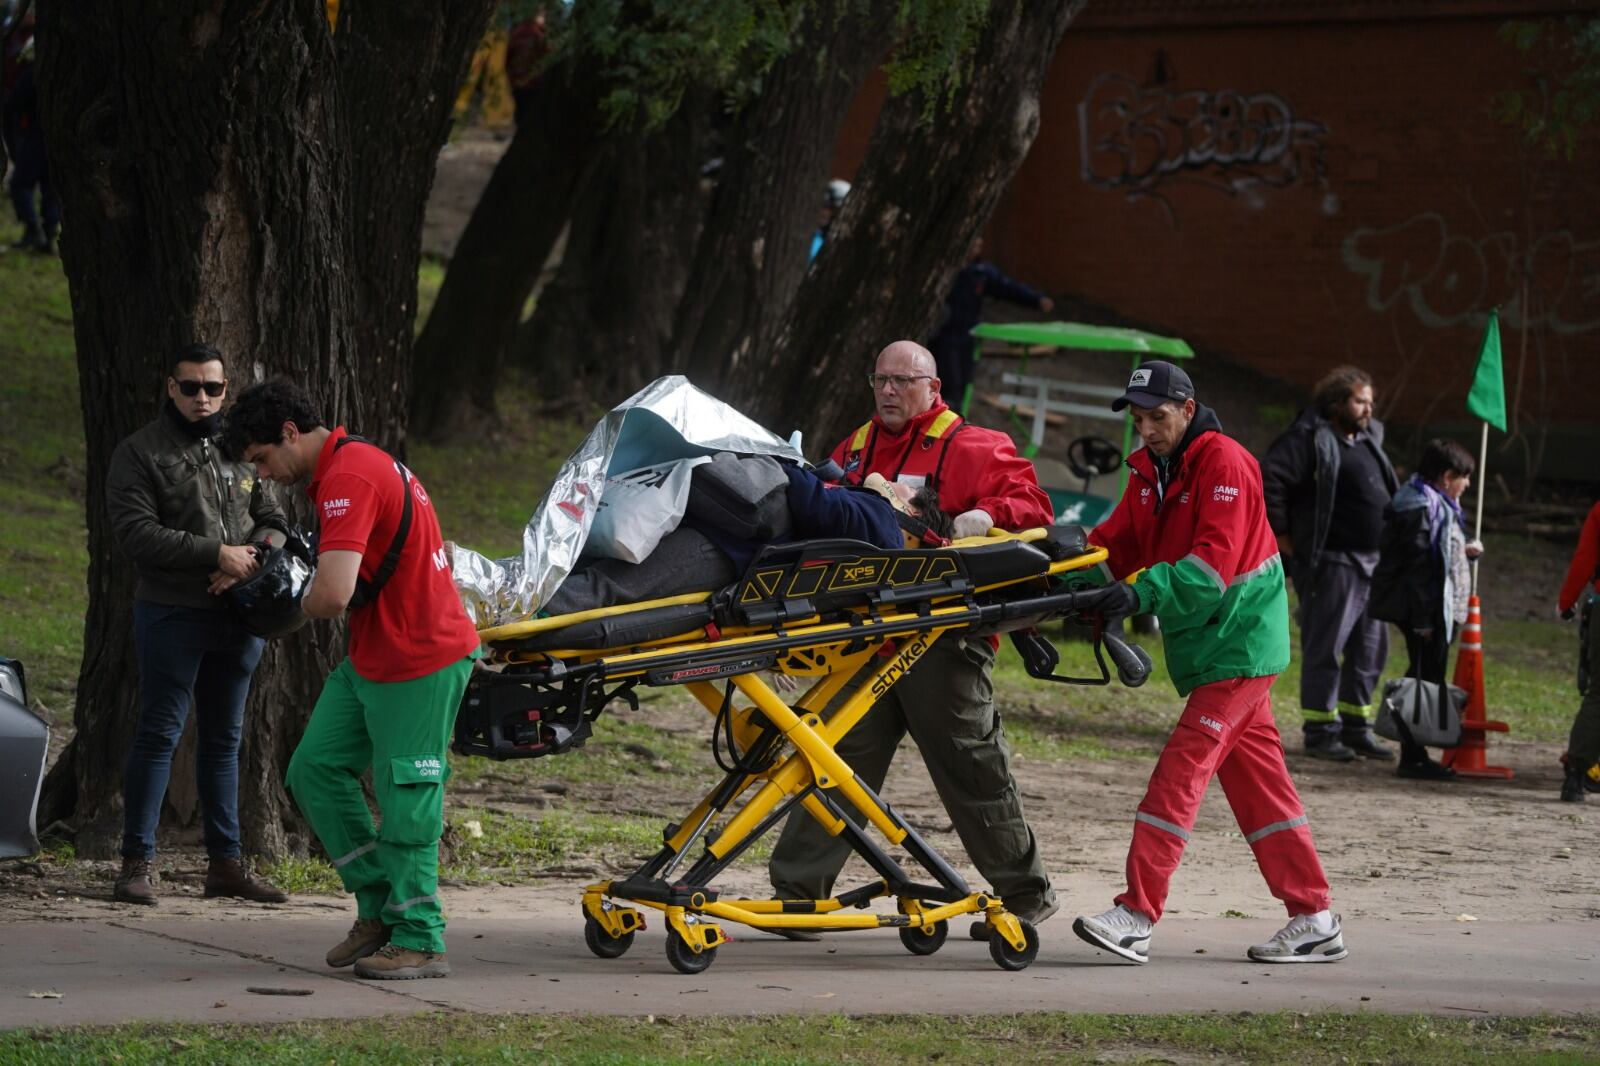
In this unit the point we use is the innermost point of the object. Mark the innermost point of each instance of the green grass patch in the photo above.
(298, 877)
(1004, 1040)
(508, 847)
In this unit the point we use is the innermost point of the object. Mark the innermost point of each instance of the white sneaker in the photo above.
(1119, 931)
(1307, 938)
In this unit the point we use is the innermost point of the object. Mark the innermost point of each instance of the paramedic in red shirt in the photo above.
(946, 701)
(1192, 524)
(391, 704)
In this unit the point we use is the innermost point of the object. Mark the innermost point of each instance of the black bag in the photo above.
(1412, 710)
(747, 497)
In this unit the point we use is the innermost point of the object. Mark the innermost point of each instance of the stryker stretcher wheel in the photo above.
(927, 940)
(1009, 958)
(604, 944)
(683, 958)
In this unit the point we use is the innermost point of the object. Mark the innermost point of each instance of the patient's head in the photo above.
(921, 503)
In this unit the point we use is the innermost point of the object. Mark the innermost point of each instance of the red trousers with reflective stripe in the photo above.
(1226, 731)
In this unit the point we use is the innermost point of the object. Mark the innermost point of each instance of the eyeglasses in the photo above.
(192, 388)
(899, 381)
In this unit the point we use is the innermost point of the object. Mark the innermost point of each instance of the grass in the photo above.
(1002, 1040)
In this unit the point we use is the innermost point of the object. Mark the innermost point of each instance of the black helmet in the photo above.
(267, 603)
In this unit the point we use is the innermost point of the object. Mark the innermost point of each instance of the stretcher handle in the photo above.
(1133, 662)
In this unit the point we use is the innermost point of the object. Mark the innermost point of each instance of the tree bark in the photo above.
(920, 198)
(209, 158)
(521, 213)
(753, 251)
(603, 325)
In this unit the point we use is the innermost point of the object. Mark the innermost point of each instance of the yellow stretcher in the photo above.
(852, 618)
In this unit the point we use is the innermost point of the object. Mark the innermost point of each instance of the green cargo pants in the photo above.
(401, 730)
(946, 703)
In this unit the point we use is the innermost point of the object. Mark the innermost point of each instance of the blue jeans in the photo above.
(187, 653)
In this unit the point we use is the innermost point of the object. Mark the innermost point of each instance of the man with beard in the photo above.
(191, 522)
(1327, 481)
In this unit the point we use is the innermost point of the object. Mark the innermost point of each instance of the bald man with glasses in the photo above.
(946, 701)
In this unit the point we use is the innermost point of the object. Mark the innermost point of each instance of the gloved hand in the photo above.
(1568, 615)
(1116, 600)
(973, 523)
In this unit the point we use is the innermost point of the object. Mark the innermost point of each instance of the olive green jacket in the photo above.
(174, 501)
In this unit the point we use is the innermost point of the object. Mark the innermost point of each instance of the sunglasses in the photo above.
(213, 388)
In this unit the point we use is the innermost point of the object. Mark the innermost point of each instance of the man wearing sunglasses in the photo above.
(190, 521)
(946, 701)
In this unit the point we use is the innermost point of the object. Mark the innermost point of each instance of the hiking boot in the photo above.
(1364, 744)
(1426, 770)
(32, 237)
(980, 930)
(1307, 938)
(137, 882)
(228, 877)
(395, 963)
(1119, 931)
(364, 937)
(1572, 786)
(1328, 746)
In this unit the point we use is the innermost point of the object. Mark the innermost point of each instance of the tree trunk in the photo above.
(922, 195)
(521, 213)
(209, 157)
(752, 255)
(604, 323)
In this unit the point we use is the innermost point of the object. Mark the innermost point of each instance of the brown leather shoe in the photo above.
(395, 963)
(228, 877)
(365, 937)
(136, 883)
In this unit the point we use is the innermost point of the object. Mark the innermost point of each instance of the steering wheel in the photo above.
(1092, 457)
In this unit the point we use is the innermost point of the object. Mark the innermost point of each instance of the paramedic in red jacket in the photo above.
(946, 701)
(1193, 525)
(1580, 587)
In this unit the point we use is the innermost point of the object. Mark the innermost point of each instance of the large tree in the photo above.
(243, 174)
(934, 170)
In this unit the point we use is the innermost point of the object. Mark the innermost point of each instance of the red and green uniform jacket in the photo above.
(1213, 576)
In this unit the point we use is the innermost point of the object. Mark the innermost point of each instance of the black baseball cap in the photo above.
(1154, 383)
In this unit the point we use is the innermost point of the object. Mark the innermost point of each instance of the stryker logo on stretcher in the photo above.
(898, 668)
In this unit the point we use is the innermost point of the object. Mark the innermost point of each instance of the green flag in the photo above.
(1487, 397)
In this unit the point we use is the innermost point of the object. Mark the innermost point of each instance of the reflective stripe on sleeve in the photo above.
(1206, 569)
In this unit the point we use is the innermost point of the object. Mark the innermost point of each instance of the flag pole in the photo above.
(1483, 487)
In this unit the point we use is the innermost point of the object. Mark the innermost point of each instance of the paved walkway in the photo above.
(123, 969)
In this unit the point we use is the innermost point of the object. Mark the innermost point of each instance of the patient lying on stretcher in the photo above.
(712, 547)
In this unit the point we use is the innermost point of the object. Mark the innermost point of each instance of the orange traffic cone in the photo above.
(1467, 758)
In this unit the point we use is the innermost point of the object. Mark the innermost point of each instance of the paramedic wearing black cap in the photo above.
(1192, 526)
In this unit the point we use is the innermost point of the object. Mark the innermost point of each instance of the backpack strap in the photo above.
(367, 591)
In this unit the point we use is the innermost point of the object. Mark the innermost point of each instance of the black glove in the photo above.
(1116, 600)
(1568, 615)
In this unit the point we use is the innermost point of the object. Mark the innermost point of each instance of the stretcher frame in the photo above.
(855, 645)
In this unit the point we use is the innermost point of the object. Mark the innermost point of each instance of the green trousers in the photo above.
(400, 730)
(946, 703)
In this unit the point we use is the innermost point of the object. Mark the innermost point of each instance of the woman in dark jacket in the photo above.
(1422, 580)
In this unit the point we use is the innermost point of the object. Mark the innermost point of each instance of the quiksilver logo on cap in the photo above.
(1140, 378)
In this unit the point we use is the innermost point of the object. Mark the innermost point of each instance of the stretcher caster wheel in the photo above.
(1009, 958)
(683, 958)
(927, 940)
(604, 944)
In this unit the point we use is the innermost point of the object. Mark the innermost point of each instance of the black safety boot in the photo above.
(1325, 745)
(1572, 790)
(1365, 744)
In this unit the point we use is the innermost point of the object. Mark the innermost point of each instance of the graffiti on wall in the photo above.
(1448, 279)
(1138, 140)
